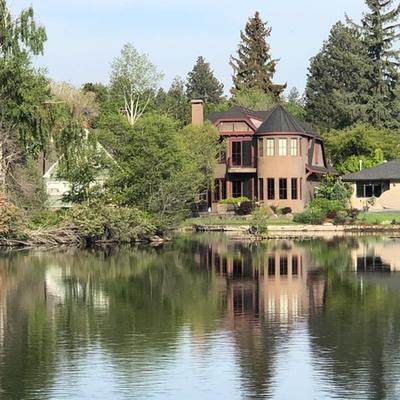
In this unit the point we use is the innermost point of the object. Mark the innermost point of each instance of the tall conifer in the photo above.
(254, 68)
(380, 30)
(202, 84)
(337, 79)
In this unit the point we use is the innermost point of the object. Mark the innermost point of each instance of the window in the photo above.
(236, 189)
(219, 189)
(293, 147)
(283, 189)
(270, 147)
(301, 189)
(236, 153)
(261, 189)
(226, 127)
(260, 148)
(295, 265)
(371, 189)
(294, 189)
(282, 147)
(283, 265)
(241, 127)
(271, 265)
(271, 188)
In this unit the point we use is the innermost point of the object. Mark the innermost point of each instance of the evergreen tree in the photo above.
(337, 79)
(380, 32)
(254, 68)
(202, 84)
(175, 102)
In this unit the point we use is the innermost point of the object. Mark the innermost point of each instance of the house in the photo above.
(57, 187)
(270, 157)
(377, 187)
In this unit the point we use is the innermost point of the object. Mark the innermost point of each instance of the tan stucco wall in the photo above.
(285, 167)
(388, 200)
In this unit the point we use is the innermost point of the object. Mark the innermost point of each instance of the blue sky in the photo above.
(85, 35)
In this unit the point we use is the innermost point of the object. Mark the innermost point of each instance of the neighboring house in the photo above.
(56, 187)
(270, 157)
(377, 187)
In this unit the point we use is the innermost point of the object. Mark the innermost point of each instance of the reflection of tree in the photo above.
(353, 337)
(136, 305)
(28, 342)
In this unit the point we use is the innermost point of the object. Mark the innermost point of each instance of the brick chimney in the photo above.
(197, 112)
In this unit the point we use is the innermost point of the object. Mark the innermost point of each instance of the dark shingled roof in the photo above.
(279, 120)
(238, 112)
(386, 171)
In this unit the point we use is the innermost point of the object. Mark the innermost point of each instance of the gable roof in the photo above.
(238, 112)
(280, 120)
(386, 171)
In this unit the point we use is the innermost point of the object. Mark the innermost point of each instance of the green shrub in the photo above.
(245, 208)
(327, 206)
(312, 216)
(119, 224)
(46, 219)
(234, 200)
(286, 211)
(12, 225)
(259, 219)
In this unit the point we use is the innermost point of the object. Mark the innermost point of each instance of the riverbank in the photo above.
(296, 231)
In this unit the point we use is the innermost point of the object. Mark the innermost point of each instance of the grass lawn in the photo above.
(214, 221)
(379, 217)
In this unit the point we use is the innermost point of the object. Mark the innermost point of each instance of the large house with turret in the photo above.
(270, 157)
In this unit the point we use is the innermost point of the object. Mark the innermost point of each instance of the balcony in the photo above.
(245, 165)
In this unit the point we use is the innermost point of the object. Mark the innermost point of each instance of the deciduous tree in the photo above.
(134, 79)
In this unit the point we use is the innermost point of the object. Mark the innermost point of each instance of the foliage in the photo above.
(175, 102)
(260, 219)
(87, 170)
(12, 221)
(101, 222)
(254, 67)
(380, 32)
(25, 186)
(46, 219)
(234, 200)
(286, 211)
(202, 84)
(253, 99)
(245, 208)
(362, 143)
(333, 188)
(311, 216)
(337, 79)
(20, 35)
(134, 79)
(161, 169)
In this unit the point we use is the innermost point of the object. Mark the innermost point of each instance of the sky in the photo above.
(84, 36)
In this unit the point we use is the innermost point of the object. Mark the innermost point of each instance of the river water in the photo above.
(203, 317)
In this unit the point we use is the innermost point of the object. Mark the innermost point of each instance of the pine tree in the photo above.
(337, 79)
(254, 68)
(202, 84)
(380, 31)
(175, 103)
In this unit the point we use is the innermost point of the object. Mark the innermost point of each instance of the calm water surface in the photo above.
(203, 318)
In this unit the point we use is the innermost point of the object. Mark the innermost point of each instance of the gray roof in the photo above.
(280, 120)
(386, 171)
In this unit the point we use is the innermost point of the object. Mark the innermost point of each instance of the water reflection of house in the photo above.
(278, 283)
(381, 256)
